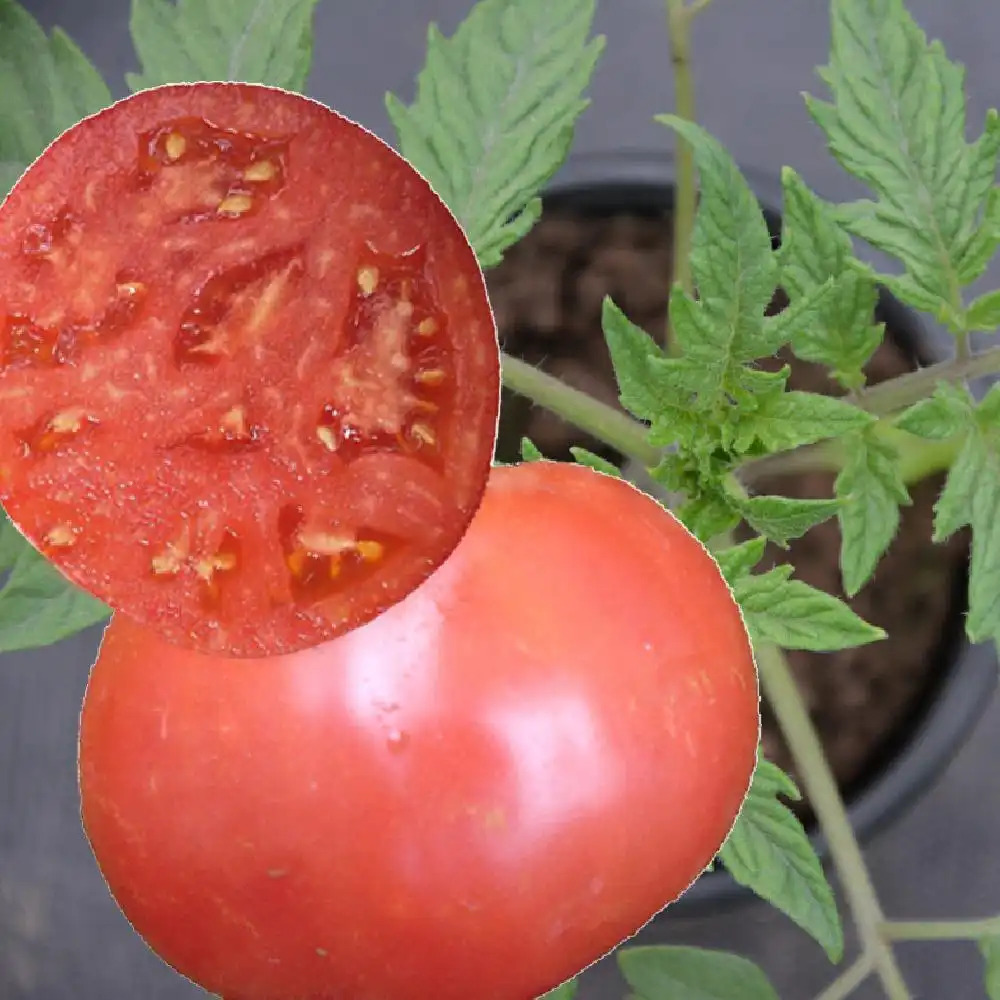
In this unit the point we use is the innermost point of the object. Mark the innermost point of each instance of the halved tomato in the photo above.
(249, 374)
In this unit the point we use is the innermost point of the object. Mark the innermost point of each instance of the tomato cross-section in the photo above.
(249, 374)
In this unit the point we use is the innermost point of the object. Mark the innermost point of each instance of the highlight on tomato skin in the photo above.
(249, 372)
(476, 794)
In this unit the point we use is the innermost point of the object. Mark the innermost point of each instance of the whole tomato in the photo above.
(469, 798)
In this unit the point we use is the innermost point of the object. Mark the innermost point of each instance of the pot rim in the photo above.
(611, 179)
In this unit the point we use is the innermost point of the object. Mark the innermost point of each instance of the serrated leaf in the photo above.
(566, 991)
(980, 249)
(946, 413)
(800, 316)
(815, 249)
(790, 419)
(595, 462)
(984, 313)
(495, 111)
(793, 615)
(871, 489)
(953, 509)
(38, 605)
(768, 851)
(708, 513)
(734, 270)
(530, 452)
(989, 948)
(253, 41)
(971, 496)
(783, 518)
(898, 122)
(669, 972)
(9, 175)
(987, 413)
(632, 351)
(738, 560)
(47, 85)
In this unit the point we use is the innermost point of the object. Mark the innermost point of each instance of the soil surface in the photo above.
(547, 297)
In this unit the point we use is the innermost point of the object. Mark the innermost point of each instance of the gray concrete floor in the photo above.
(60, 934)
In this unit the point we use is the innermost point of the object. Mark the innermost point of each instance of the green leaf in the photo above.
(816, 250)
(566, 991)
(530, 452)
(738, 560)
(794, 615)
(898, 123)
(768, 851)
(595, 462)
(946, 413)
(790, 419)
(9, 175)
(38, 605)
(971, 496)
(984, 242)
(783, 518)
(632, 352)
(495, 111)
(871, 489)
(707, 513)
(989, 948)
(253, 41)
(734, 270)
(47, 85)
(668, 972)
(984, 312)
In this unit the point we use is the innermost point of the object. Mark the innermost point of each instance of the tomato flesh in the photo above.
(475, 795)
(249, 373)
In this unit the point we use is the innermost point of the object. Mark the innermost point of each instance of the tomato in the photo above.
(474, 795)
(249, 374)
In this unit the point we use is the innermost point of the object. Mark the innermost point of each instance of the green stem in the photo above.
(849, 980)
(685, 195)
(820, 785)
(940, 930)
(614, 428)
(918, 458)
(900, 392)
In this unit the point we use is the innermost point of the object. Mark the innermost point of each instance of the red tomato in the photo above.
(472, 796)
(249, 375)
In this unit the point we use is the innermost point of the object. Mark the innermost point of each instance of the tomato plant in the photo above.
(248, 389)
(248, 370)
(477, 793)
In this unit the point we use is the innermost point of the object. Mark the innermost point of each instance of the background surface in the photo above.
(62, 937)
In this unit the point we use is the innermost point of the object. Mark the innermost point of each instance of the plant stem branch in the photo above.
(679, 17)
(849, 980)
(918, 458)
(939, 930)
(685, 195)
(820, 785)
(900, 392)
(607, 424)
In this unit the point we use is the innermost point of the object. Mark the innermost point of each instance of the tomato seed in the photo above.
(175, 145)
(370, 551)
(60, 536)
(262, 170)
(367, 280)
(235, 204)
(430, 376)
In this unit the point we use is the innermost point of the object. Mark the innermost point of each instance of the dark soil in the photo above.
(547, 296)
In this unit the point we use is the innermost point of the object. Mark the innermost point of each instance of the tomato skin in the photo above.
(475, 795)
(249, 374)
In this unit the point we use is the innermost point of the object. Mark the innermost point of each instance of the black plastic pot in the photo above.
(959, 690)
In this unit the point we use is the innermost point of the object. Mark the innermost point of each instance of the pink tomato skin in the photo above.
(473, 796)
